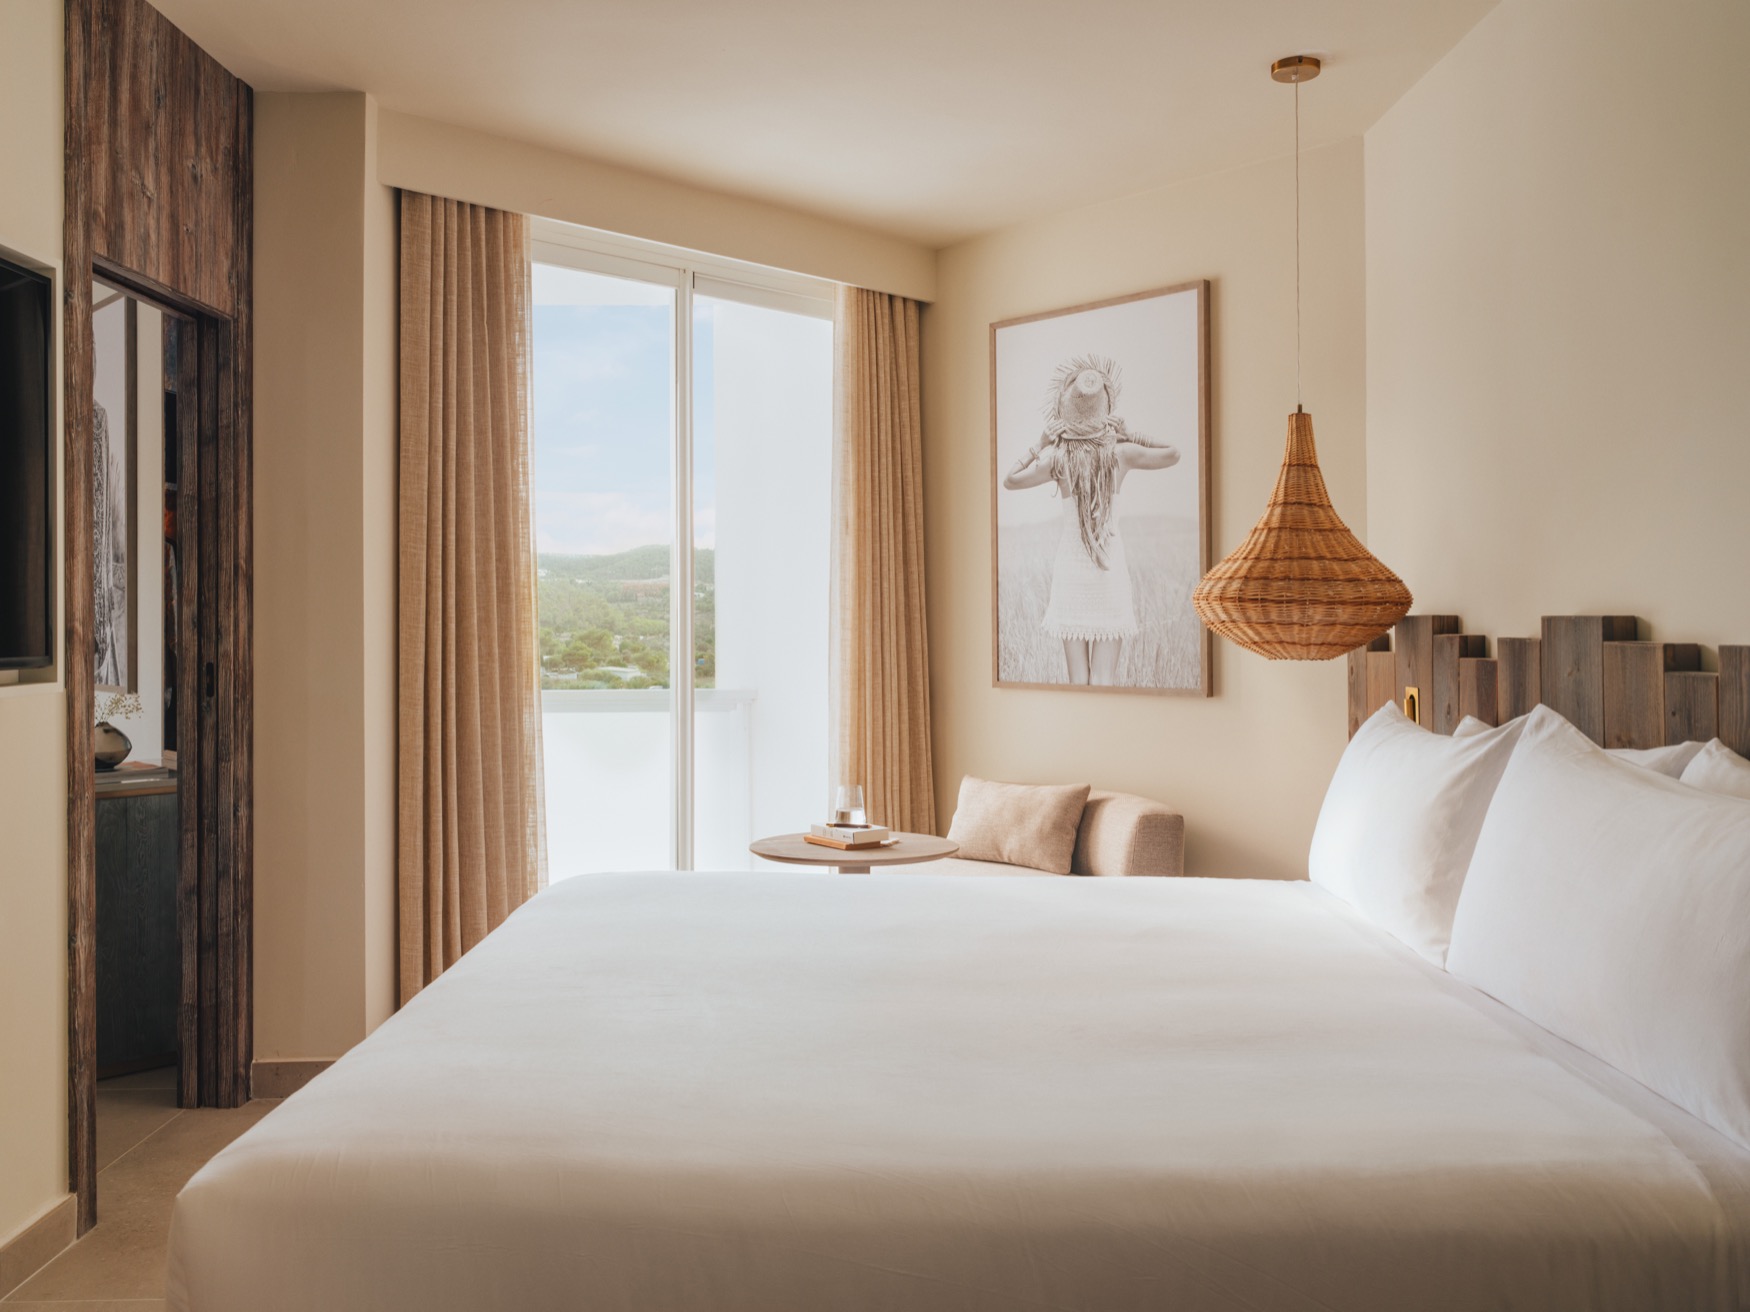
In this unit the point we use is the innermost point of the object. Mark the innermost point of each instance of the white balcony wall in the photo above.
(609, 789)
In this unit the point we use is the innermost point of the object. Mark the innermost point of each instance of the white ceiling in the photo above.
(931, 119)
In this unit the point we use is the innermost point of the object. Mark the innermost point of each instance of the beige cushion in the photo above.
(1019, 824)
(1122, 834)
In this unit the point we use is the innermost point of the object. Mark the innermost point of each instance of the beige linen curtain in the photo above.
(882, 679)
(469, 824)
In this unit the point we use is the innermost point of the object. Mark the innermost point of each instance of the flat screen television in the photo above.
(27, 470)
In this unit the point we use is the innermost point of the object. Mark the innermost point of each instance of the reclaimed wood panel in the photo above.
(1734, 705)
(205, 836)
(1443, 697)
(1639, 694)
(158, 199)
(1478, 689)
(1356, 700)
(1692, 706)
(237, 795)
(1573, 666)
(160, 133)
(1382, 679)
(188, 704)
(1634, 689)
(1520, 680)
(1359, 708)
(1413, 645)
(77, 657)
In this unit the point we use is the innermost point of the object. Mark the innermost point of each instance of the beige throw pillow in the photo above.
(1019, 824)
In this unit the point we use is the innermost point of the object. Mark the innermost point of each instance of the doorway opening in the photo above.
(158, 662)
(135, 476)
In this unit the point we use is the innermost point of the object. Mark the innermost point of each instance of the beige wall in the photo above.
(381, 488)
(33, 955)
(326, 494)
(1558, 271)
(324, 577)
(33, 719)
(1248, 768)
(442, 160)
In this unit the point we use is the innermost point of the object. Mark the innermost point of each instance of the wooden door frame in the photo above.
(159, 198)
(214, 706)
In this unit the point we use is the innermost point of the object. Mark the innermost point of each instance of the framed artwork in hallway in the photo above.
(1100, 494)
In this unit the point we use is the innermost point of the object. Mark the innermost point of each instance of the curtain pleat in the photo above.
(471, 843)
(881, 647)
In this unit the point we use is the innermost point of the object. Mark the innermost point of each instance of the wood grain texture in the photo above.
(1359, 709)
(1638, 694)
(1573, 666)
(1520, 671)
(1734, 729)
(160, 135)
(1443, 697)
(1382, 679)
(204, 740)
(138, 956)
(1479, 689)
(1413, 644)
(77, 657)
(188, 682)
(1692, 706)
(239, 798)
(1356, 676)
(1634, 689)
(158, 199)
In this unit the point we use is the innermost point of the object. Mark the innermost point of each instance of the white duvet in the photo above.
(776, 1091)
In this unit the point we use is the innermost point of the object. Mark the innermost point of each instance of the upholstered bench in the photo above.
(1114, 833)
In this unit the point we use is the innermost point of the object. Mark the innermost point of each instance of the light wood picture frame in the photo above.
(1100, 501)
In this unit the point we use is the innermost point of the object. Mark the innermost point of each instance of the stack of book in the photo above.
(849, 837)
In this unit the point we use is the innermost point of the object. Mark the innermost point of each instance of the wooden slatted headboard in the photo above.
(1621, 692)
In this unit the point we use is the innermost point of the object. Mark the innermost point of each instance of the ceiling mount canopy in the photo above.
(1296, 68)
(1301, 587)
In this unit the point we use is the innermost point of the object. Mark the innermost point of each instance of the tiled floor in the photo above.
(146, 1151)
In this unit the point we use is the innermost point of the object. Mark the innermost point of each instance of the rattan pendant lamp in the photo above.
(1301, 587)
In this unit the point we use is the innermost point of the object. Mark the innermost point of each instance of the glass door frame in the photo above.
(687, 274)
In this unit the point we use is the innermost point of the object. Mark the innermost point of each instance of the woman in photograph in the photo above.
(1086, 451)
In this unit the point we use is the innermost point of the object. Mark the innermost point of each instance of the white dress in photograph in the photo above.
(1088, 602)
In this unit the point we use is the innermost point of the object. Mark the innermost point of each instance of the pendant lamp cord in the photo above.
(1297, 396)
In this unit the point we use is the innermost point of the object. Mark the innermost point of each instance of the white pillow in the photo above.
(1470, 726)
(1399, 820)
(1718, 769)
(1611, 906)
(1670, 761)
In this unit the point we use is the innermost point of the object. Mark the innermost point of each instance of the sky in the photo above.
(603, 415)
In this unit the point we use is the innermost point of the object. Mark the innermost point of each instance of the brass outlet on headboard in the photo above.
(1413, 705)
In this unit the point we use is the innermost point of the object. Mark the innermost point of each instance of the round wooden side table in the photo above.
(795, 850)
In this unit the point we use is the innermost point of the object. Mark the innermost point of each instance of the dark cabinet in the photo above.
(138, 955)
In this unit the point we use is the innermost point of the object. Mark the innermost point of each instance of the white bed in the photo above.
(763, 1092)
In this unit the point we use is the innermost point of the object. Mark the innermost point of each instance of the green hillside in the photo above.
(605, 619)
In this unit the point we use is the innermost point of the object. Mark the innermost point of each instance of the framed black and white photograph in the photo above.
(1100, 494)
(114, 329)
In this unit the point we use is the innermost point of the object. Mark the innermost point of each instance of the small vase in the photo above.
(111, 744)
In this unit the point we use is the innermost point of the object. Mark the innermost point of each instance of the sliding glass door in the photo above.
(762, 494)
(684, 693)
